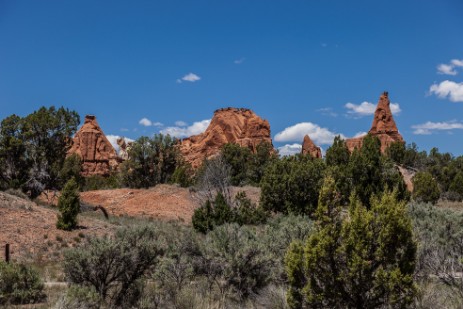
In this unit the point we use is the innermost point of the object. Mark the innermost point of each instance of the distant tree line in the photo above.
(33, 157)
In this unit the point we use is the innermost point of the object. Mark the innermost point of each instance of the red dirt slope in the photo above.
(31, 230)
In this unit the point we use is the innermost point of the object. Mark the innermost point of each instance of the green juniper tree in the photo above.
(456, 185)
(219, 212)
(291, 184)
(337, 161)
(425, 188)
(69, 206)
(362, 259)
(239, 159)
(365, 169)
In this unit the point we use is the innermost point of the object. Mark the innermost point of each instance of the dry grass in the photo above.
(450, 204)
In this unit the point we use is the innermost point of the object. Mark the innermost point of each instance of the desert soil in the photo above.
(31, 231)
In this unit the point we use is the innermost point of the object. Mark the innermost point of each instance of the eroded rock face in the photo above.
(229, 125)
(96, 152)
(123, 151)
(309, 148)
(383, 127)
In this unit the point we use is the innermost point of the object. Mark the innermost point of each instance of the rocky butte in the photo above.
(309, 148)
(228, 125)
(96, 152)
(383, 127)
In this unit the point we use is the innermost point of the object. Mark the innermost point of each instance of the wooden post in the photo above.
(7, 253)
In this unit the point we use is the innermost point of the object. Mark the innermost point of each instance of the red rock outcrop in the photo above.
(96, 152)
(383, 127)
(309, 148)
(229, 125)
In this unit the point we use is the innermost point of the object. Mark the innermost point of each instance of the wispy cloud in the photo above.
(431, 127)
(113, 140)
(295, 133)
(239, 61)
(359, 134)
(448, 89)
(327, 111)
(446, 69)
(145, 122)
(180, 123)
(450, 68)
(289, 149)
(181, 131)
(148, 123)
(367, 108)
(190, 77)
(457, 63)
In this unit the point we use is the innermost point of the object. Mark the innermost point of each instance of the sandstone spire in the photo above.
(309, 148)
(383, 126)
(383, 122)
(229, 125)
(96, 152)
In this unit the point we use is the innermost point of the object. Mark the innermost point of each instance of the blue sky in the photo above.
(306, 66)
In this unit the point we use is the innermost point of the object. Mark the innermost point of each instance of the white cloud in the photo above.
(145, 122)
(113, 140)
(366, 108)
(180, 123)
(359, 134)
(190, 77)
(457, 62)
(239, 61)
(180, 132)
(290, 149)
(450, 89)
(362, 109)
(148, 123)
(320, 136)
(429, 127)
(327, 111)
(450, 69)
(446, 69)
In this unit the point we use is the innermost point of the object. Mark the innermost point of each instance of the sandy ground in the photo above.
(31, 230)
(407, 176)
(164, 202)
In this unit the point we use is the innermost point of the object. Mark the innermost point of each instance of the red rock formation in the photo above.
(383, 127)
(229, 125)
(97, 154)
(309, 148)
(123, 148)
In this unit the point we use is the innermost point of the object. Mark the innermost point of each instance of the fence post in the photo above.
(7, 253)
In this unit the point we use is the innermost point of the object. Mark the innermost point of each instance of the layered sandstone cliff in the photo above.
(96, 152)
(383, 126)
(229, 125)
(309, 148)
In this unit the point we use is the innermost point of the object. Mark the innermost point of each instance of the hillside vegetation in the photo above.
(246, 230)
